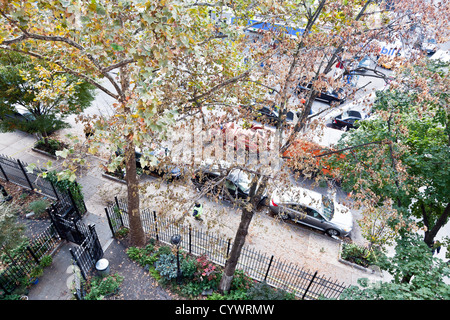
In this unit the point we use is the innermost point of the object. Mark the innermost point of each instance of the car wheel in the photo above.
(332, 232)
(283, 216)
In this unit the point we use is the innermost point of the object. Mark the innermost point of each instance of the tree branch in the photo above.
(68, 70)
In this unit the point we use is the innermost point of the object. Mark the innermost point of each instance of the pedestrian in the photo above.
(198, 210)
(88, 131)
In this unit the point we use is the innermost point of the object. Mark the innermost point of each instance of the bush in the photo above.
(143, 256)
(189, 267)
(51, 147)
(262, 291)
(358, 254)
(64, 184)
(39, 207)
(46, 261)
(167, 266)
(101, 287)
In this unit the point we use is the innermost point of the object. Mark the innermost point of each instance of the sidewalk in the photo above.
(54, 284)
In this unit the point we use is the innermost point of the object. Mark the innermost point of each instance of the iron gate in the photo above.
(69, 226)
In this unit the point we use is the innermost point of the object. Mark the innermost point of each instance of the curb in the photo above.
(44, 153)
(369, 270)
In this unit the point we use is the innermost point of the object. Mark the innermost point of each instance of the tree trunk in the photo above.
(137, 235)
(431, 233)
(239, 241)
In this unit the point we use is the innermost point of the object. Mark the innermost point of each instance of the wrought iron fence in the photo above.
(18, 266)
(261, 267)
(13, 170)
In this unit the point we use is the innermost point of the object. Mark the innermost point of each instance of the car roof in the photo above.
(302, 196)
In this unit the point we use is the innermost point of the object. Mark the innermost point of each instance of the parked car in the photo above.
(348, 119)
(301, 149)
(430, 46)
(20, 114)
(245, 137)
(312, 209)
(269, 114)
(161, 167)
(364, 63)
(237, 182)
(329, 96)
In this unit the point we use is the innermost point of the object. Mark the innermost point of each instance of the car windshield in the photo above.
(351, 113)
(328, 207)
(242, 179)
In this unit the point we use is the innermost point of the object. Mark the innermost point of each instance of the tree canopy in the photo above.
(48, 96)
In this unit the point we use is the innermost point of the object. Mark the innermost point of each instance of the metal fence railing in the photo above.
(14, 171)
(18, 266)
(261, 267)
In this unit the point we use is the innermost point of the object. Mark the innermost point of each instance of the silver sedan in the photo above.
(312, 209)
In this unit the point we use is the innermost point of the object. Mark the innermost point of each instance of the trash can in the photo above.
(102, 267)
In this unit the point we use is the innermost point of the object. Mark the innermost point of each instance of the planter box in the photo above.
(110, 177)
(372, 270)
(44, 153)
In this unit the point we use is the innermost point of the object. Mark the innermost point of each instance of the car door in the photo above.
(298, 212)
(290, 211)
(314, 219)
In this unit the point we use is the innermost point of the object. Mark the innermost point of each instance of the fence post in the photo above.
(309, 285)
(98, 246)
(4, 173)
(78, 264)
(54, 190)
(25, 173)
(268, 268)
(74, 203)
(190, 240)
(156, 226)
(120, 211)
(110, 223)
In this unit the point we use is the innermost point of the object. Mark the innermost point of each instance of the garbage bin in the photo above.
(102, 267)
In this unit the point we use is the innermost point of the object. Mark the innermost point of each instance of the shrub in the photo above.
(64, 184)
(189, 267)
(358, 254)
(46, 261)
(101, 287)
(38, 207)
(262, 291)
(143, 256)
(51, 147)
(241, 281)
(206, 271)
(167, 266)
(164, 250)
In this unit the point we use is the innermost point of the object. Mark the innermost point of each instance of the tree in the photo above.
(48, 95)
(411, 166)
(330, 32)
(416, 275)
(180, 60)
(156, 48)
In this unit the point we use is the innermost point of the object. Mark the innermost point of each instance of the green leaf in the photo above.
(117, 47)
